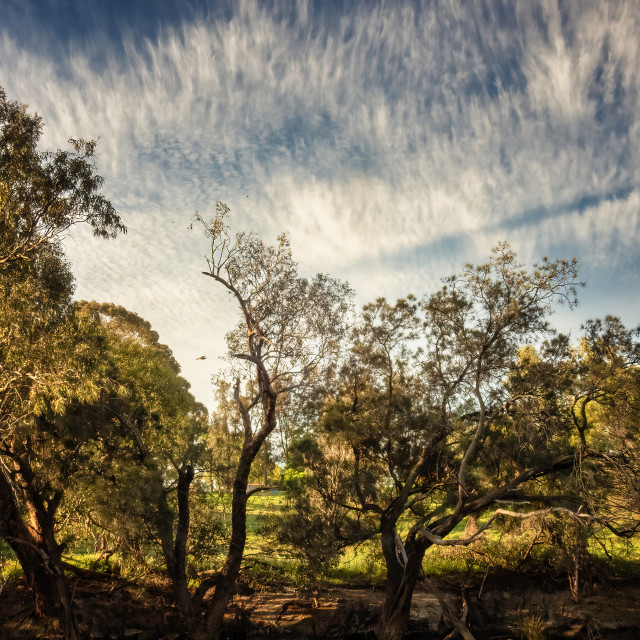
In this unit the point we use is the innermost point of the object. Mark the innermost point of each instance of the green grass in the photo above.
(10, 570)
(620, 554)
(261, 505)
(362, 565)
(268, 564)
(497, 549)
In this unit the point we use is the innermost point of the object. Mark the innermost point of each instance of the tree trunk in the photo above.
(211, 627)
(577, 553)
(226, 581)
(43, 528)
(179, 578)
(265, 470)
(40, 558)
(401, 583)
(175, 551)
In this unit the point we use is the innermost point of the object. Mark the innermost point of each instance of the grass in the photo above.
(267, 563)
(529, 626)
(260, 505)
(359, 566)
(10, 570)
(516, 549)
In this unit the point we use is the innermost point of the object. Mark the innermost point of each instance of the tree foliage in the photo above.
(44, 193)
(49, 352)
(425, 416)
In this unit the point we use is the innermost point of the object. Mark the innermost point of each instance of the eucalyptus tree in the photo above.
(587, 399)
(43, 446)
(603, 402)
(473, 330)
(44, 193)
(142, 490)
(46, 348)
(420, 399)
(289, 326)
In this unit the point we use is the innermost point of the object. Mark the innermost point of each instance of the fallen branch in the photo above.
(434, 539)
(458, 624)
(258, 489)
(89, 573)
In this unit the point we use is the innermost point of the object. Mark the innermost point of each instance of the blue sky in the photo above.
(394, 141)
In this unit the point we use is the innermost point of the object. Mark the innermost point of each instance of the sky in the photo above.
(394, 142)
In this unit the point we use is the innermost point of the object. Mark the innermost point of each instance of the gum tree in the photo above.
(43, 446)
(289, 327)
(45, 369)
(421, 396)
(142, 482)
(473, 329)
(44, 193)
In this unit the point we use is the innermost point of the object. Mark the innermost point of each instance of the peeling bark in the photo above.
(401, 583)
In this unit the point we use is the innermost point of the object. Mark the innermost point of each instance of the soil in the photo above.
(500, 608)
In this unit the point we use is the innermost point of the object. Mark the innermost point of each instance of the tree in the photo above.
(420, 401)
(602, 399)
(44, 193)
(44, 446)
(289, 326)
(149, 469)
(589, 393)
(47, 349)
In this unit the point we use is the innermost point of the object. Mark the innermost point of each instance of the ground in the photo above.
(509, 606)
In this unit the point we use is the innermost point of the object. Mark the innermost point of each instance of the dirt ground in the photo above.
(114, 610)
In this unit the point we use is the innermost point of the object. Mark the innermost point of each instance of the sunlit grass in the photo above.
(10, 570)
(270, 566)
(520, 549)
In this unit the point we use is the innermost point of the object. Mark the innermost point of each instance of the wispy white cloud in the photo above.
(603, 236)
(370, 135)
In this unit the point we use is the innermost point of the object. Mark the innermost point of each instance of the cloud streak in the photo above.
(370, 133)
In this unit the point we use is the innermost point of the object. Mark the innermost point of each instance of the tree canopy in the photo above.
(49, 353)
(43, 193)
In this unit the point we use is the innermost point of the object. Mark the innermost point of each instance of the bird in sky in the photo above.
(202, 358)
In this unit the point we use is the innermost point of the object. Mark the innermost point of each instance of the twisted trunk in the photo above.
(401, 583)
(175, 550)
(40, 558)
(226, 580)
